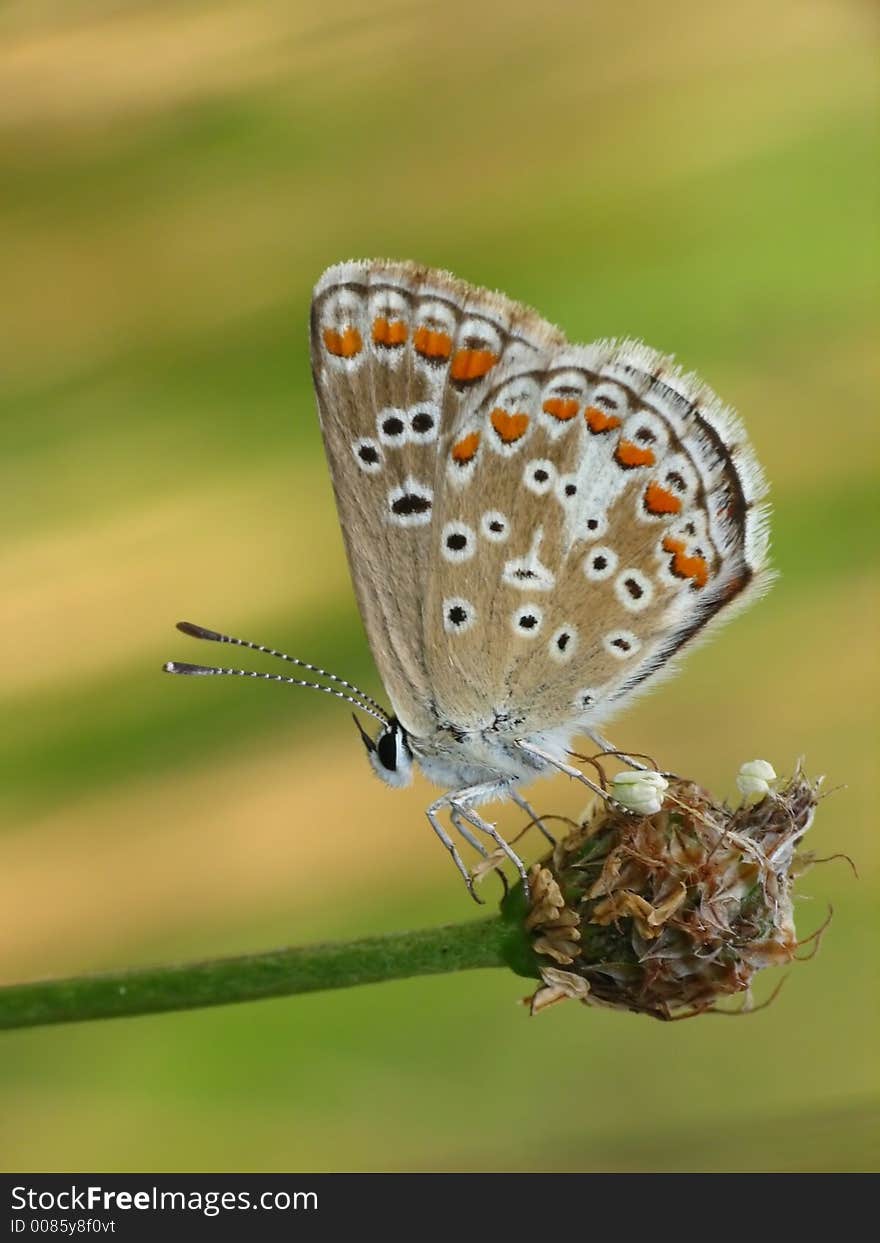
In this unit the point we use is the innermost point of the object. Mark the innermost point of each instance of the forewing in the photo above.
(401, 359)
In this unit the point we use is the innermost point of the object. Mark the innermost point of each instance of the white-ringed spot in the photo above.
(600, 563)
(458, 542)
(527, 620)
(412, 504)
(391, 425)
(566, 489)
(592, 525)
(368, 455)
(585, 700)
(458, 615)
(563, 644)
(423, 422)
(622, 644)
(539, 476)
(634, 590)
(494, 526)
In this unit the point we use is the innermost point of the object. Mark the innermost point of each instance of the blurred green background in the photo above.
(174, 178)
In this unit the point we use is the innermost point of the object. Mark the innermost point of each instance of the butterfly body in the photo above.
(454, 759)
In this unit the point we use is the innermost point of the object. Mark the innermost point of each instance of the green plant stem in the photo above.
(493, 942)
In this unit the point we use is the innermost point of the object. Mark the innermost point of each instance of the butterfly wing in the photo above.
(535, 530)
(609, 513)
(401, 357)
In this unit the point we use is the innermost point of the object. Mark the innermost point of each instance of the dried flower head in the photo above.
(667, 911)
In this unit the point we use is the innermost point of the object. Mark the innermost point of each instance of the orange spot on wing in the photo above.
(599, 421)
(684, 566)
(431, 344)
(510, 427)
(629, 455)
(562, 408)
(344, 344)
(472, 364)
(389, 332)
(466, 449)
(658, 500)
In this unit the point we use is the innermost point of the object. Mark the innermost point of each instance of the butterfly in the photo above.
(536, 530)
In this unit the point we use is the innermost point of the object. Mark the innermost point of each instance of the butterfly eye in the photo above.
(391, 756)
(386, 750)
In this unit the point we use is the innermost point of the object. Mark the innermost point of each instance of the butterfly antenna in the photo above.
(178, 666)
(214, 636)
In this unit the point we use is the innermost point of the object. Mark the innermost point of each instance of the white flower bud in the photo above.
(754, 779)
(639, 791)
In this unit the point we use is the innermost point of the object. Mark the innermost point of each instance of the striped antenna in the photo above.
(178, 666)
(214, 636)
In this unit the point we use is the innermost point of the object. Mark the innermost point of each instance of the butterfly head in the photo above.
(389, 753)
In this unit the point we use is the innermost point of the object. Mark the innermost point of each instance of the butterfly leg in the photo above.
(568, 769)
(532, 814)
(461, 801)
(450, 846)
(604, 745)
(460, 826)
